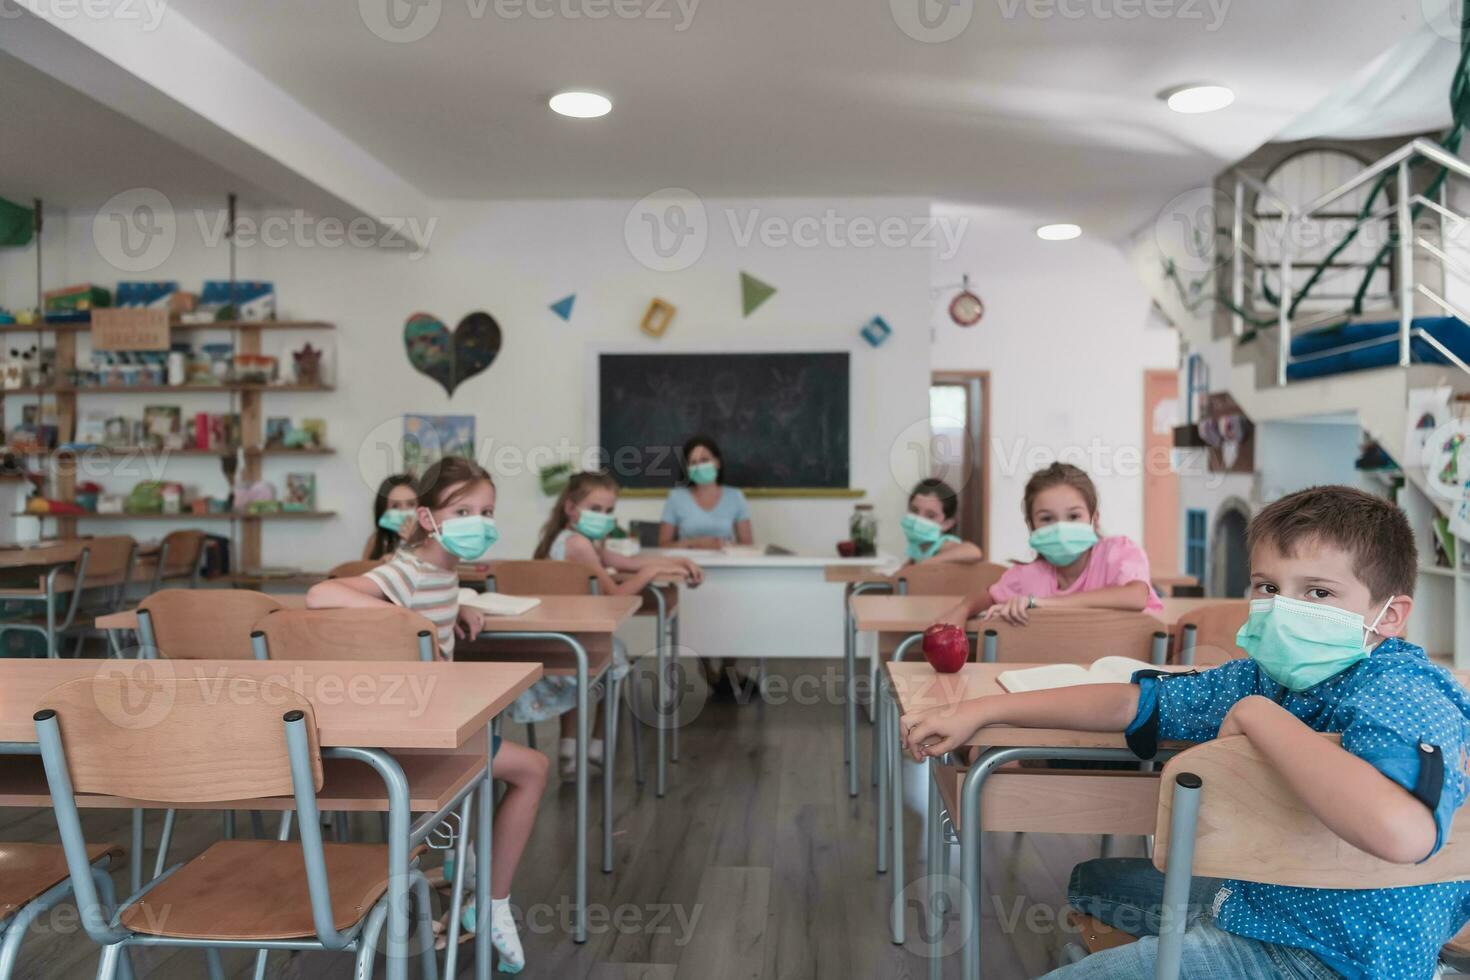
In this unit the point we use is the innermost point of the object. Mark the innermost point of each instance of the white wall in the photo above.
(1066, 336)
(512, 260)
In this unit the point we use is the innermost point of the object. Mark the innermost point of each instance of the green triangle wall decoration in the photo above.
(753, 293)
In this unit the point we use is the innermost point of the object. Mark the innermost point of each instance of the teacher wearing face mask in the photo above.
(702, 512)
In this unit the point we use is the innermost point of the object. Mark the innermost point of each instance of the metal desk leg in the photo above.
(611, 689)
(849, 707)
(485, 838)
(671, 639)
(135, 859)
(880, 759)
(933, 928)
(895, 789)
(660, 696)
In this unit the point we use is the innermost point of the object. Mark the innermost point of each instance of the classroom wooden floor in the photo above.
(755, 865)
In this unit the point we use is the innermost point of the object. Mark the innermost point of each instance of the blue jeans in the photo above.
(1127, 894)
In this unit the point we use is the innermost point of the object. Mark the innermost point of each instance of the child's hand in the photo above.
(467, 624)
(1012, 611)
(694, 573)
(935, 731)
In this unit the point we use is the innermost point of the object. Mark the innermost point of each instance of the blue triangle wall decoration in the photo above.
(563, 307)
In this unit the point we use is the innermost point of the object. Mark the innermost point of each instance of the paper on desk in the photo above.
(498, 603)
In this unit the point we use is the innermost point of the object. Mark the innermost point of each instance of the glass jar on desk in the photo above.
(863, 530)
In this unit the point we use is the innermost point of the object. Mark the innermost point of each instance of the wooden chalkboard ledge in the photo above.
(824, 493)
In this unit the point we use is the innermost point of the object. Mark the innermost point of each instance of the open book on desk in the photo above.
(1104, 670)
(498, 603)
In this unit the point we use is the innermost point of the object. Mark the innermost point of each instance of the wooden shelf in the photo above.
(164, 389)
(134, 450)
(296, 515)
(84, 326)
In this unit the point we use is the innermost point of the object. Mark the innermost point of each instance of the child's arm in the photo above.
(743, 533)
(1132, 597)
(963, 612)
(1085, 707)
(1347, 793)
(582, 551)
(356, 592)
(962, 551)
(679, 566)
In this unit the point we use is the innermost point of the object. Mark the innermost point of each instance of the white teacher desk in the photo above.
(757, 605)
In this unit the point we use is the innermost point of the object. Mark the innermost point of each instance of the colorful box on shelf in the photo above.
(247, 300)
(74, 304)
(146, 295)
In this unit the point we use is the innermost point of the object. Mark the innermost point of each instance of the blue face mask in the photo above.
(1300, 644)
(923, 535)
(466, 538)
(702, 473)
(1063, 542)
(595, 525)
(393, 520)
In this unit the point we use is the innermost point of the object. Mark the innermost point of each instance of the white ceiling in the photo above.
(1052, 115)
(61, 146)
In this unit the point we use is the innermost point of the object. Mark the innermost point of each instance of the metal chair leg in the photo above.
(635, 732)
(428, 959)
(530, 735)
(611, 708)
(107, 963)
(216, 965)
(367, 943)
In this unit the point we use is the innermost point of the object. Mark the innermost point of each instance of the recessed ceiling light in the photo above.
(581, 105)
(1197, 98)
(1058, 233)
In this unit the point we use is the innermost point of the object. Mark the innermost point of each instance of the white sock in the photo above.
(503, 935)
(594, 751)
(567, 748)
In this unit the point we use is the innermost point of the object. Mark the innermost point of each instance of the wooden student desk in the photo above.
(568, 635)
(1040, 801)
(363, 705)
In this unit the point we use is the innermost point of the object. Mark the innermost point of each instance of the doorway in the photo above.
(959, 425)
(1160, 484)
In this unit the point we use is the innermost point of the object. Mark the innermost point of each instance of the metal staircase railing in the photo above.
(1405, 236)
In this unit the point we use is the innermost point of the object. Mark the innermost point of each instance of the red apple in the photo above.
(946, 647)
(846, 549)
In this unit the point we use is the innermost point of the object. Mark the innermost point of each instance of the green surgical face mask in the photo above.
(595, 525)
(702, 473)
(1063, 542)
(923, 535)
(393, 520)
(466, 538)
(1300, 644)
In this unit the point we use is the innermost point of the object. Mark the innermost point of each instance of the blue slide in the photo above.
(1380, 346)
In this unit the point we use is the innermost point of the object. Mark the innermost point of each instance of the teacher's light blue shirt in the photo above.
(692, 521)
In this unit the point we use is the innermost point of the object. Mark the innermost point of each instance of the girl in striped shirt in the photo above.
(455, 522)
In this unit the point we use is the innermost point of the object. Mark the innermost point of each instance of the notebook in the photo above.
(498, 603)
(1104, 670)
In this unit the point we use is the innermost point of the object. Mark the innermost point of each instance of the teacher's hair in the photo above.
(576, 490)
(694, 443)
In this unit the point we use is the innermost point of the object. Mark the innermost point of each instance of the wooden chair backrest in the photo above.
(949, 578)
(136, 731)
(1253, 827)
(1215, 629)
(109, 559)
(1076, 636)
(185, 551)
(206, 624)
(543, 576)
(350, 569)
(389, 633)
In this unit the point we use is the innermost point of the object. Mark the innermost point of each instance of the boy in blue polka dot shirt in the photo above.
(1332, 577)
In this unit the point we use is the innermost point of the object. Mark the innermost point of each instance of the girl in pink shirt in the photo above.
(1077, 569)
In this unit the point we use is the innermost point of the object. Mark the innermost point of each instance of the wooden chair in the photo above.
(349, 569)
(50, 606)
(391, 633)
(110, 568)
(1077, 636)
(1225, 812)
(34, 880)
(939, 578)
(1206, 636)
(179, 558)
(201, 624)
(237, 894)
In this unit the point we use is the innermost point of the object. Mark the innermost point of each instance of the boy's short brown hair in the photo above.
(1374, 531)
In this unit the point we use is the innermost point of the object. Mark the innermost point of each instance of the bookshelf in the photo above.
(251, 403)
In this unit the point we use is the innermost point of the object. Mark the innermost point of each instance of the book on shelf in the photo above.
(1104, 670)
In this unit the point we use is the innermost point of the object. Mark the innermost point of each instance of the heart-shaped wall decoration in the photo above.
(451, 359)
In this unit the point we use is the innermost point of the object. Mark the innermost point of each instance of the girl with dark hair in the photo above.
(929, 524)
(702, 512)
(393, 510)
